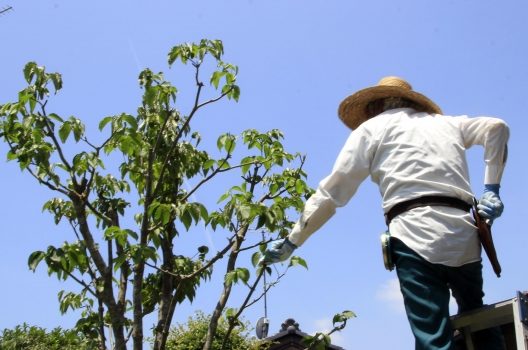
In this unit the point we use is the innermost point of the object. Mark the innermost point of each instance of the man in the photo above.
(416, 155)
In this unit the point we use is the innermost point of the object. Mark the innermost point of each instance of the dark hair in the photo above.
(381, 105)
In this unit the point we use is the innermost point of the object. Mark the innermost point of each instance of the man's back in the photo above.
(416, 154)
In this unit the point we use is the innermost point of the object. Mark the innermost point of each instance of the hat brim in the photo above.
(353, 109)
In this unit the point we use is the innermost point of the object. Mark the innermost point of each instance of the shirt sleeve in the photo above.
(493, 134)
(350, 169)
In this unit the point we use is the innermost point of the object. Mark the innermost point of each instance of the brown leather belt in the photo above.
(425, 201)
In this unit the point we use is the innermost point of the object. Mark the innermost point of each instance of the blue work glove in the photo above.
(490, 205)
(279, 250)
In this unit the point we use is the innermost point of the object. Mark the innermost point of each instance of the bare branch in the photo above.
(82, 283)
(268, 287)
(255, 245)
(224, 94)
(48, 184)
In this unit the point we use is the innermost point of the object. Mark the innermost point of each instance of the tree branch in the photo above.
(268, 287)
(213, 174)
(233, 320)
(58, 147)
(195, 108)
(224, 94)
(255, 245)
(82, 283)
(48, 184)
(210, 263)
(102, 216)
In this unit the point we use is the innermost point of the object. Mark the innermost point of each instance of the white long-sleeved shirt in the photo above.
(410, 154)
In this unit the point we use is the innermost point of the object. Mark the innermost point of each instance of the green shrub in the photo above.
(191, 335)
(25, 337)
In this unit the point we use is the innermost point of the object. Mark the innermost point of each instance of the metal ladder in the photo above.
(510, 315)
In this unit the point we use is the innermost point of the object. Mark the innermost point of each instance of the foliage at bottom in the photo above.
(191, 335)
(25, 337)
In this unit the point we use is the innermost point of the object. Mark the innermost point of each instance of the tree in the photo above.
(192, 335)
(125, 224)
(27, 337)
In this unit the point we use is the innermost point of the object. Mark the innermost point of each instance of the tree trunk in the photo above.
(102, 338)
(166, 295)
(137, 301)
(116, 313)
(213, 324)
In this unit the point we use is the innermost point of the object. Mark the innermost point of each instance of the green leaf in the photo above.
(230, 312)
(29, 71)
(131, 233)
(215, 78)
(130, 120)
(64, 131)
(186, 219)
(245, 211)
(55, 117)
(119, 261)
(223, 197)
(299, 186)
(295, 260)
(11, 155)
(209, 163)
(273, 188)
(261, 221)
(34, 259)
(235, 93)
(114, 232)
(236, 275)
(77, 128)
(56, 79)
(195, 211)
(162, 213)
(231, 277)
(343, 316)
(243, 274)
(221, 141)
(104, 122)
(230, 144)
(203, 212)
(255, 258)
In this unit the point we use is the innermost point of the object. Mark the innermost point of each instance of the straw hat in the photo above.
(353, 110)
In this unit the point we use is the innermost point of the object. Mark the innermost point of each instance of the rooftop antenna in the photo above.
(5, 9)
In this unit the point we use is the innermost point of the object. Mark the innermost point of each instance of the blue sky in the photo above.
(297, 60)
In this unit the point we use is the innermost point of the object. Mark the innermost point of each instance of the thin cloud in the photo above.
(390, 294)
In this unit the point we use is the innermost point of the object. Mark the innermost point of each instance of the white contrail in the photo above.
(134, 54)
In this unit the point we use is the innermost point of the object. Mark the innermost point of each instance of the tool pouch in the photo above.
(386, 250)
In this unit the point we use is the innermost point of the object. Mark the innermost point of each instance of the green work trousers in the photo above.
(426, 292)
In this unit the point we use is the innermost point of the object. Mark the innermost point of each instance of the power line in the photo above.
(5, 9)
